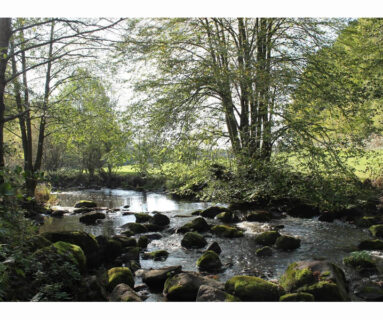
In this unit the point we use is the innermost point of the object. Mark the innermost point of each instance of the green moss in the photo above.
(366, 221)
(226, 231)
(301, 296)
(158, 255)
(377, 230)
(198, 224)
(267, 238)
(75, 253)
(294, 277)
(249, 288)
(361, 261)
(126, 241)
(264, 251)
(209, 261)
(143, 241)
(324, 291)
(193, 240)
(119, 275)
(136, 227)
(371, 245)
(287, 243)
(85, 204)
(142, 217)
(37, 242)
(226, 217)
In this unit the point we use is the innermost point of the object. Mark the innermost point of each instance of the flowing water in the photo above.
(332, 241)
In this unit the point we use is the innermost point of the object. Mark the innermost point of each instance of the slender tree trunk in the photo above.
(5, 35)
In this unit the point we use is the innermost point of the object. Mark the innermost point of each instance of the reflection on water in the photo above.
(319, 239)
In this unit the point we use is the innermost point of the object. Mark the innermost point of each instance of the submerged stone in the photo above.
(264, 252)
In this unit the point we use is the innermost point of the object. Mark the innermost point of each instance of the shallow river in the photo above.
(332, 241)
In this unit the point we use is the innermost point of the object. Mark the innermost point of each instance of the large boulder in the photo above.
(124, 293)
(92, 217)
(267, 238)
(210, 294)
(160, 219)
(212, 212)
(193, 240)
(209, 261)
(119, 275)
(371, 245)
(376, 230)
(85, 204)
(198, 224)
(249, 288)
(159, 255)
(155, 279)
(322, 279)
(226, 231)
(85, 241)
(295, 297)
(259, 216)
(287, 243)
(361, 261)
(184, 286)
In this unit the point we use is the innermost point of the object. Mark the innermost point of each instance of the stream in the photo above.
(332, 241)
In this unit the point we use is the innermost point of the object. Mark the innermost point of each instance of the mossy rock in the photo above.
(264, 252)
(184, 286)
(143, 242)
(371, 245)
(83, 210)
(86, 241)
(307, 274)
(362, 261)
(249, 288)
(91, 218)
(37, 242)
(193, 240)
(226, 231)
(324, 291)
(214, 247)
(295, 297)
(136, 227)
(196, 213)
(227, 217)
(213, 211)
(73, 251)
(160, 219)
(370, 291)
(156, 278)
(85, 204)
(287, 243)
(130, 254)
(259, 216)
(209, 261)
(296, 277)
(119, 275)
(126, 241)
(267, 238)
(366, 221)
(159, 255)
(153, 227)
(69, 252)
(127, 233)
(377, 230)
(112, 250)
(198, 224)
(210, 294)
(142, 217)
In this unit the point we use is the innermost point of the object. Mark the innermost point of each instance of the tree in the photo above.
(236, 72)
